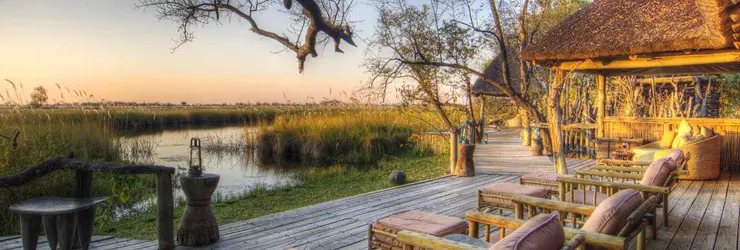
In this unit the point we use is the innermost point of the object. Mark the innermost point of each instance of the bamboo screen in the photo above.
(652, 129)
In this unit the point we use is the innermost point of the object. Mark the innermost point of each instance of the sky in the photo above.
(117, 52)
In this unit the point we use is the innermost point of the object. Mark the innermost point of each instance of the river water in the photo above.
(239, 170)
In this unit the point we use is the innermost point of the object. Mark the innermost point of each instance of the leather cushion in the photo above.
(542, 232)
(611, 215)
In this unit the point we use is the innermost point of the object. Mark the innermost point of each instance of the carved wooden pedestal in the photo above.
(198, 226)
(464, 165)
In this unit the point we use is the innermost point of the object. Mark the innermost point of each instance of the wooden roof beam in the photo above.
(653, 61)
(667, 79)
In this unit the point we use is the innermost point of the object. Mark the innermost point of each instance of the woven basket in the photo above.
(704, 162)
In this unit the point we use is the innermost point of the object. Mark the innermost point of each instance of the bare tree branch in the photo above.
(331, 20)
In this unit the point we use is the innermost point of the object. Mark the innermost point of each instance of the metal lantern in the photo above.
(196, 159)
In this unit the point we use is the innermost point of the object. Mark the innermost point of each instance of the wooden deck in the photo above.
(504, 153)
(703, 215)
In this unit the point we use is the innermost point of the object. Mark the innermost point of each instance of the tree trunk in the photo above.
(526, 129)
(454, 136)
(705, 98)
(555, 126)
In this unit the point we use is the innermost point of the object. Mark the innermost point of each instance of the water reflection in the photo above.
(224, 153)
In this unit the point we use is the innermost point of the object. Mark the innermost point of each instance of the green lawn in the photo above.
(318, 185)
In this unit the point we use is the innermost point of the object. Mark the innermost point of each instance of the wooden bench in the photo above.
(62, 218)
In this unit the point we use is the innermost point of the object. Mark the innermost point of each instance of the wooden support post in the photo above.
(473, 229)
(600, 105)
(641, 240)
(370, 237)
(482, 116)
(83, 189)
(556, 132)
(165, 212)
(453, 149)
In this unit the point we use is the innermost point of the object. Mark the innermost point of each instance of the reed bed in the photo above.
(351, 136)
(41, 137)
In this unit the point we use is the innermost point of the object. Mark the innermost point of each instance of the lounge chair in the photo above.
(541, 232)
(624, 215)
(593, 186)
(627, 207)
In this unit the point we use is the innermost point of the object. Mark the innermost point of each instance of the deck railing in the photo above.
(651, 129)
(83, 186)
(579, 140)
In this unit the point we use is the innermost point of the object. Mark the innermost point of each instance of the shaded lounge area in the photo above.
(649, 39)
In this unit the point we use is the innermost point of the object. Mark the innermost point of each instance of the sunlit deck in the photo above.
(703, 215)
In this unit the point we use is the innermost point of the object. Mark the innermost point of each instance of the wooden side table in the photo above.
(623, 155)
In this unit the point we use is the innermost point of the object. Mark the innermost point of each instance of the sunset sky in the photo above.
(117, 52)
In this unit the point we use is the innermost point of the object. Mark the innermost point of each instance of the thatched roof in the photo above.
(607, 28)
(494, 72)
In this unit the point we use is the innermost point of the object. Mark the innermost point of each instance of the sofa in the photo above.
(700, 143)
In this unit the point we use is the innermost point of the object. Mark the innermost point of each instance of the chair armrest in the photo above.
(493, 220)
(574, 243)
(625, 176)
(638, 187)
(596, 239)
(640, 170)
(622, 162)
(561, 206)
(433, 242)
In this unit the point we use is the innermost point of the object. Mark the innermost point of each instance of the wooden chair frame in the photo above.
(626, 177)
(574, 185)
(633, 230)
(411, 239)
(486, 208)
(633, 167)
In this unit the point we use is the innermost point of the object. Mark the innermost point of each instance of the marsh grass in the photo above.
(235, 144)
(343, 136)
(42, 137)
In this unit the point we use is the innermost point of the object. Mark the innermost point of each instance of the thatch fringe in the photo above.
(628, 27)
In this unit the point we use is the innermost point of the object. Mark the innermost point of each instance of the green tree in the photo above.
(39, 97)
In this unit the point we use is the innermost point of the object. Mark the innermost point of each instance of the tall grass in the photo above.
(148, 117)
(42, 137)
(348, 136)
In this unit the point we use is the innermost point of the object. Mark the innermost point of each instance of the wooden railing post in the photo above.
(165, 212)
(600, 105)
